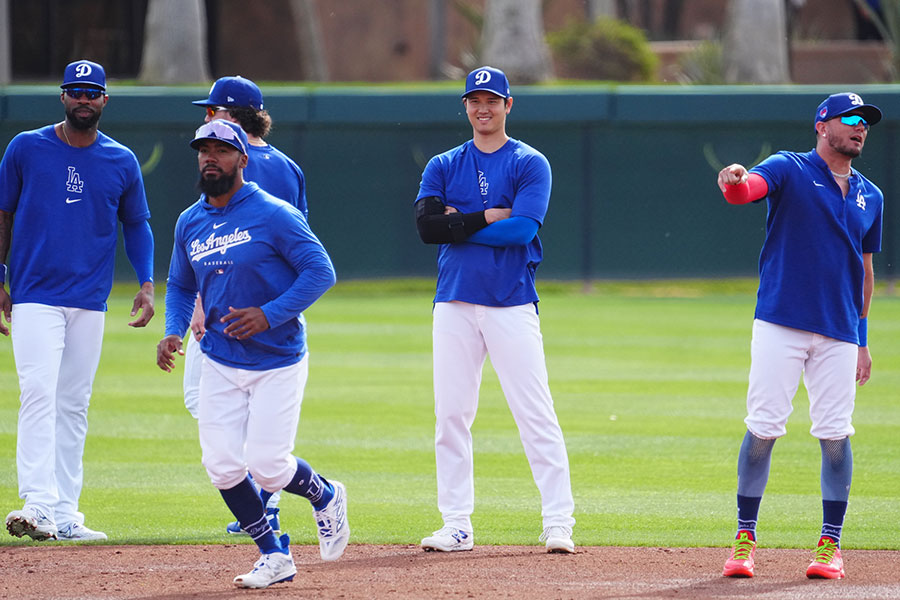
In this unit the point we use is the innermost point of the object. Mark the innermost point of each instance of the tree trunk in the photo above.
(601, 8)
(5, 50)
(513, 40)
(309, 34)
(175, 49)
(755, 48)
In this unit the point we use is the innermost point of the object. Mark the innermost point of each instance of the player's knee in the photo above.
(271, 475)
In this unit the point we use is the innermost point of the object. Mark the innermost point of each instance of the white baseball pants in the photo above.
(463, 334)
(193, 360)
(248, 421)
(57, 350)
(779, 356)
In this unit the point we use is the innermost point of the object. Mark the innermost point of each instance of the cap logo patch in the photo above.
(230, 99)
(482, 77)
(83, 70)
(823, 112)
(856, 100)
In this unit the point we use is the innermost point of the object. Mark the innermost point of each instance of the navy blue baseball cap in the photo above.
(233, 91)
(487, 79)
(839, 104)
(222, 131)
(84, 72)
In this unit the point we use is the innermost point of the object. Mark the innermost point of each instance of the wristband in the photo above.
(863, 332)
(2, 274)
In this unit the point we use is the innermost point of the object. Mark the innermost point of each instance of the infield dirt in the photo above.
(521, 572)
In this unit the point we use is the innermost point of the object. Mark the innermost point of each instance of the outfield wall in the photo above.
(634, 168)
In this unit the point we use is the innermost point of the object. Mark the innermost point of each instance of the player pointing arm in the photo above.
(815, 288)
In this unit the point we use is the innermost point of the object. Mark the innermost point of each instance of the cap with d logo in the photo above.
(84, 72)
(487, 79)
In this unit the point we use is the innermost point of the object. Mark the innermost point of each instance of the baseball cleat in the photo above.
(76, 532)
(448, 539)
(234, 528)
(334, 529)
(31, 521)
(558, 539)
(827, 562)
(271, 568)
(741, 562)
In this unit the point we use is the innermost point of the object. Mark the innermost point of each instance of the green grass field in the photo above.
(649, 381)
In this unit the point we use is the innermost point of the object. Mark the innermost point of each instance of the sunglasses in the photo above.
(212, 110)
(854, 120)
(76, 93)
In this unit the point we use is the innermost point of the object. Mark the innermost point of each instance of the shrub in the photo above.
(605, 49)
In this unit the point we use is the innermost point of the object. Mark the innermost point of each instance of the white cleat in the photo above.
(449, 539)
(31, 521)
(269, 569)
(76, 532)
(334, 529)
(558, 539)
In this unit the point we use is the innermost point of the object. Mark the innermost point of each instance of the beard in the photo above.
(848, 151)
(81, 122)
(216, 186)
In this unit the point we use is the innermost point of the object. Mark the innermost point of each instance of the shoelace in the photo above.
(743, 546)
(825, 552)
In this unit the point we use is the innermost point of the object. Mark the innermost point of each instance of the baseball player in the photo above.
(240, 101)
(257, 266)
(484, 202)
(68, 186)
(815, 287)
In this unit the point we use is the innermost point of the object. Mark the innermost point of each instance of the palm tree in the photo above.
(175, 42)
(513, 40)
(755, 48)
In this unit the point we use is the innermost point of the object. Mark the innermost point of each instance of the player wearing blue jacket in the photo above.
(240, 101)
(63, 190)
(815, 287)
(483, 202)
(257, 266)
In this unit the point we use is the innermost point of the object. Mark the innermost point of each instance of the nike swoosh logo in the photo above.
(216, 226)
(817, 184)
(72, 200)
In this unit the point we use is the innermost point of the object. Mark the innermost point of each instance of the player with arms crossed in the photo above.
(257, 266)
(240, 101)
(815, 287)
(483, 202)
(63, 190)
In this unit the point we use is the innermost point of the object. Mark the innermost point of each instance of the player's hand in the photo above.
(863, 365)
(492, 215)
(732, 175)
(165, 352)
(6, 307)
(143, 302)
(247, 322)
(198, 321)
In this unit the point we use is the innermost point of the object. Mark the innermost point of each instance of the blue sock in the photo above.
(837, 472)
(753, 474)
(748, 512)
(247, 507)
(310, 485)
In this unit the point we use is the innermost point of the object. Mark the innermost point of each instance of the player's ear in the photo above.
(509, 102)
(243, 162)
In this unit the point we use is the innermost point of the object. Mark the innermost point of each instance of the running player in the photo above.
(484, 202)
(240, 101)
(67, 177)
(815, 288)
(257, 266)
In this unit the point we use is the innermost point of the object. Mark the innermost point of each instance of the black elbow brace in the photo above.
(435, 227)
